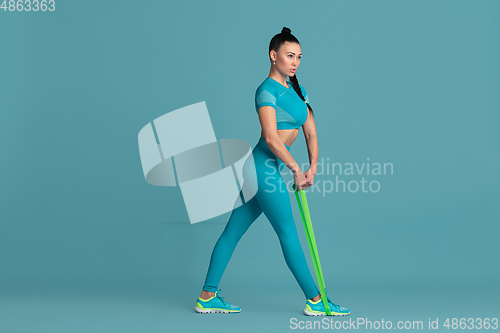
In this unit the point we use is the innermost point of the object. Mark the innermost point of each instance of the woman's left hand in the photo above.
(309, 174)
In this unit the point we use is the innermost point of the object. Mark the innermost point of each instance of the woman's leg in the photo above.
(275, 203)
(240, 220)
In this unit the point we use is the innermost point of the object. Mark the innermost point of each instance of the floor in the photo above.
(152, 308)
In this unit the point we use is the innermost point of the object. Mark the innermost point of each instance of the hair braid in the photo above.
(296, 87)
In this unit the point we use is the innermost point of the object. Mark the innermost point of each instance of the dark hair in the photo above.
(275, 44)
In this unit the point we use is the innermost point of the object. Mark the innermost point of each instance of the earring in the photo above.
(274, 63)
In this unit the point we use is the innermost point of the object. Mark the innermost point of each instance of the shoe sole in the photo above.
(215, 311)
(336, 314)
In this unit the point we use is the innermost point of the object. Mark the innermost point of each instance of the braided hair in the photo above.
(275, 44)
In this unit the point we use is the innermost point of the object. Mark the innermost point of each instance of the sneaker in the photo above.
(215, 304)
(317, 308)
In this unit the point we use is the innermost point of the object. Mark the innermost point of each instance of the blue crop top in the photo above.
(291, 111)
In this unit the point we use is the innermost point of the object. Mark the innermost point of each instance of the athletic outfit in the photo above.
(291, 112)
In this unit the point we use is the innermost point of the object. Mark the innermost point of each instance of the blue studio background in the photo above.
(87, 245)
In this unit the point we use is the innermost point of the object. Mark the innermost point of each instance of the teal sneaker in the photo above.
(317, 308)
(215, 304)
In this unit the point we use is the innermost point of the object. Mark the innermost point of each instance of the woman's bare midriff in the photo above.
(288, 136)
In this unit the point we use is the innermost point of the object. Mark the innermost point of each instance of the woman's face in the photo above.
(288, 58)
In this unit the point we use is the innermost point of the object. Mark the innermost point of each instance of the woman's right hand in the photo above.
(300, 180)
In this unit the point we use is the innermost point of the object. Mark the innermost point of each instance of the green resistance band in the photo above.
(306, 219)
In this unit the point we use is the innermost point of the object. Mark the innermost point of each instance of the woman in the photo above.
(282, 107)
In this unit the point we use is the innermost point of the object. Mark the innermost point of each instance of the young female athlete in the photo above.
(282, 107)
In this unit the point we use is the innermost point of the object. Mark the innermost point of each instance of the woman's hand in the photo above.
(309, 174)
(300, 180)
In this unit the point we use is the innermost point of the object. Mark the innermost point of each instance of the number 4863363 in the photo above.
(470, 323)
(28, 5)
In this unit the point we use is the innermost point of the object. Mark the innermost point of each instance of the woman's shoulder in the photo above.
(268, 85)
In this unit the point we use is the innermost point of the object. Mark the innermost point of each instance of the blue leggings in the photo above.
(275, 204)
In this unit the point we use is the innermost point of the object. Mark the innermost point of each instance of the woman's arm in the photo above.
(309, 129)
(267, 118)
